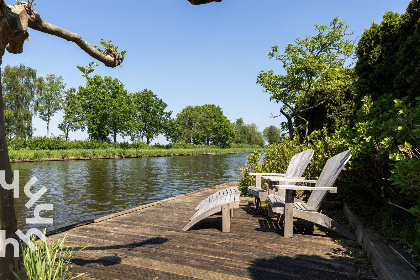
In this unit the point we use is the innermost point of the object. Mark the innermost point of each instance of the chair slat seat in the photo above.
(277, 203)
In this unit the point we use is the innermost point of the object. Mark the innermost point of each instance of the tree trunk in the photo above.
(289, 124)
(306, 129)
(7, 208)
(115, 136)
(67, 131)
(48, 128)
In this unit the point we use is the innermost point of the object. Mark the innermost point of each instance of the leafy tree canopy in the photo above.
(19, 85)
(247, 134)
(149, 115)
(204, 124)
(72, 112)
(312, 65)
(272, 134)
(50, 94)
(106, 108)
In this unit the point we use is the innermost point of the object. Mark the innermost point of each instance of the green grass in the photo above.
(38, 155)
(49, 261)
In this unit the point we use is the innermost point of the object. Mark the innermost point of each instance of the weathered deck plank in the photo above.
(149, 243)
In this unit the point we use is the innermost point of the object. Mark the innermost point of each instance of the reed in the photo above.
(49, 261)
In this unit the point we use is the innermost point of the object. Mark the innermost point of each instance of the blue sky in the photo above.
(188, 55)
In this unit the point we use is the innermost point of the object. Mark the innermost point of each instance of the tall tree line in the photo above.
(105, 109)
(25, 95)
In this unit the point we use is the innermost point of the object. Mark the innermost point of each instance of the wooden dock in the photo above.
(148, 243)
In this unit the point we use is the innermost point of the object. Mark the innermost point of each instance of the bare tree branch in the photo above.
(309, 108)
(29, 18)
(402, 208)
(199, 2)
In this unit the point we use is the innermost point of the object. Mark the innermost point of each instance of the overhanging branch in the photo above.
(29, 18)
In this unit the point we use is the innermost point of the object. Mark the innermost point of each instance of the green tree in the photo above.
(72, 113)
(213, 126)
(272, 134)
(240, 135)
(184, 125)
(106, 108)
(339, 111)
(247, 134)
(19, 84)
(206, 125)
(389, 56)
(312, 65)
(387, 127)
(149, 116)
(49, 98)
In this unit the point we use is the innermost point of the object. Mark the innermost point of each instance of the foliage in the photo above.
(106, 108)
(384, 165)
(387, 130)
(149, 116)
(339, 111)
(277, 157)
(272, 134)
(72, 112)
(315, 69)
(59, 143)
(49, 261)
(48, 101)
(109, 48)
(205, 125)
(247, 134)
(388, 56)
(88, 69)
(386, 147)
(19, 92)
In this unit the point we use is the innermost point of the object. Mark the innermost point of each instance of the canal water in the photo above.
(82, 190)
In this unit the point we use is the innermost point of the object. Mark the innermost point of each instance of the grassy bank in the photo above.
(40, 155)
(57, 148)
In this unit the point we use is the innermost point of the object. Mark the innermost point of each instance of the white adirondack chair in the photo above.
(291, 207)
(297, 166)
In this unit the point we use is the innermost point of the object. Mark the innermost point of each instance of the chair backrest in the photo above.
(297, 166)
(327, 178)
(298, 163)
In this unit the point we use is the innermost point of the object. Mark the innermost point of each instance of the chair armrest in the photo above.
(288, 179)
(305, 188)
(266, 174)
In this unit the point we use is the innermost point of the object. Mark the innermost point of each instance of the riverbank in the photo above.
(87, 154)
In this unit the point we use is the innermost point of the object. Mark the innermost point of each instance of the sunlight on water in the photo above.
(81, 190)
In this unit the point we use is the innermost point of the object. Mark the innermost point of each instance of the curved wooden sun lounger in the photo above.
(225, 200)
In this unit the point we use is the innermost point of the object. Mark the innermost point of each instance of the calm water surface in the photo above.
(82, 190)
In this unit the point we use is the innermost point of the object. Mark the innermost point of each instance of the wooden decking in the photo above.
(148, 243)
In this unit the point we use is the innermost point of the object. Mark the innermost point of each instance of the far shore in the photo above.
(17, 156)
